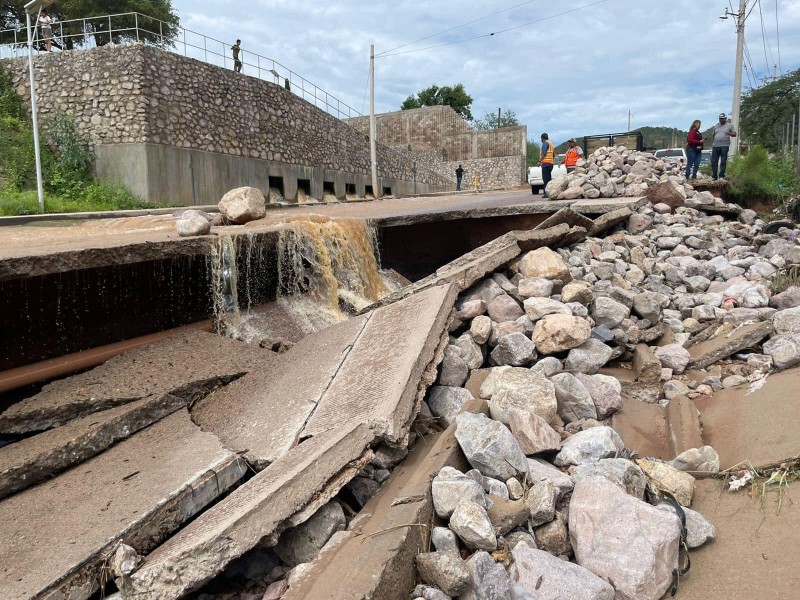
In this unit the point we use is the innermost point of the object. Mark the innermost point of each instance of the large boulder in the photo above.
(192, 222)
(243, 205)
(536, 308)
(546, 577)
(556, 333)
(504, 308)
(622, 539)
(471, 524)
(544, 262)
(606, 393)
(489, 579)
(589, 357)
(533, 433)
(784, 350)
(513, 387)
(623, 472)
(607, 311)
(588, 446)
(450, 487)
(446, 402)
(666, 192)
(787, 321)
(490, 447)
(514, 350)
(673, 356)
(574, 400)
(666, 478)
(445, 571)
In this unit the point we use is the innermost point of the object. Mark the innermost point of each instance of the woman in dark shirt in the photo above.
(694, 149)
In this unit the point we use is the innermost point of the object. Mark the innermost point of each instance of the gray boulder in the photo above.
(514, 350)
(574, 400)
(514, 387)
(556, 333)
(471, 352)
(454, 369)
(536, 308)
(621, 471)
(546, 577)
(588, 358)
(607, 311)
(192, 222)
(504, 308)
(243, 205)
(489, 579)
(790, 298)
(444, 540)
(444, 570)
(606, 393)
(481, 329)
(703, 459)
(673, 356)
(787, 321)
(473, 527)
(446, 402)
(784, 351)
(490, 447)
(532, 432)
(588, 446)
(450, 487)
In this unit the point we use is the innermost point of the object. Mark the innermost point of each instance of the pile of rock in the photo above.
(618, 172)
(554, 503)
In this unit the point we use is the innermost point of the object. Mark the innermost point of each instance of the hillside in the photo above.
(654, 138)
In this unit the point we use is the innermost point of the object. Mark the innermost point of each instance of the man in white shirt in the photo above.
(723, 132)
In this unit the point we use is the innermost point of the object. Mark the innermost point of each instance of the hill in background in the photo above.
(655, 138)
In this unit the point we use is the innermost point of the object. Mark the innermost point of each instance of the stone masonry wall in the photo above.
(138, 94)
(438, 134)
(495, 172)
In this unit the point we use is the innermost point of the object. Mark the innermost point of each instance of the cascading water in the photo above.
(323, 266)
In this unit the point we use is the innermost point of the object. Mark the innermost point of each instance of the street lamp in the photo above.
(31, 7)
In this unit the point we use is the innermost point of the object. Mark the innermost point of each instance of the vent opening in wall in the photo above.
(368, 193)
(387, 191)
(350, 189)
(276, 190)
(329, 192)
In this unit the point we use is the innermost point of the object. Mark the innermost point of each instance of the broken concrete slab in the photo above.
(609, 220)
(379, 548)
(760, 427)
(463, 272)
(288, 492)
(602, 206)
(729, 341)
(573, 236)
(262, 414)
(384, 377)
(363, 373)
(188, 365)
(34, 459)
(568, 216)
(657, 431)
(56, 536)
(538, 238)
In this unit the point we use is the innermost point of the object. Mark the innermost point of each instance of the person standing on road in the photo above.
(694, 149)
(46, 23)
(459, 177)
(237, 64)
(723, 132)
(573, 155)
(547, 161)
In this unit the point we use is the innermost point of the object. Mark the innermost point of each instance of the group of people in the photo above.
(547, 158)
(721, 144)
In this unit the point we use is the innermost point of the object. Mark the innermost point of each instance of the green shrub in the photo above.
(759, 177)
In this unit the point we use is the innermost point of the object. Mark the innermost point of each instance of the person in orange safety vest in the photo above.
(573, 155)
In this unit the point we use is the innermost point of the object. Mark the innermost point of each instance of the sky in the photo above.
(667, 62)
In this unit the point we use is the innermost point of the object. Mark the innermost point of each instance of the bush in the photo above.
(758, 177)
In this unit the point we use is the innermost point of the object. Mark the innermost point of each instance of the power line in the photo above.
(778, 36)
(764, 40)
(456, 27)
(493, 33)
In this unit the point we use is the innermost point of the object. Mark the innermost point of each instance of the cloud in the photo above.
(575, 74)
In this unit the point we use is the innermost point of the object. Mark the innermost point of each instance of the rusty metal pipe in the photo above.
(63, 365)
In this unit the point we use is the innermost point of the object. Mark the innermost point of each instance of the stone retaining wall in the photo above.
(141, 95)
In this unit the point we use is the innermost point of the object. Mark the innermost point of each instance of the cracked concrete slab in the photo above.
(261, 414)
(366, 370)
(729, 341)
(464, 271)
(56, 536)
(31, 460)
(283, 495)
(609, 220)
(568, 216)
(188, 365)
(536, 238)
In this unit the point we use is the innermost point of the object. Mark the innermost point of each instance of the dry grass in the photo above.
(785, 278)
(774, 479)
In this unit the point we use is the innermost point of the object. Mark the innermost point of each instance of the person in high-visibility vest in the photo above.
(573, 155)
(547, 160)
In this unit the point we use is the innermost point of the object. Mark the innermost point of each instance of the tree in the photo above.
(157, 21)
(455, 97)
(533, 152)
(492, 121)
(766, 110)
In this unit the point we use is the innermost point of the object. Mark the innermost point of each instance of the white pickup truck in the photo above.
(535, 174)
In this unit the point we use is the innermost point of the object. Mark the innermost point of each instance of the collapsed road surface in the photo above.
(485, 432)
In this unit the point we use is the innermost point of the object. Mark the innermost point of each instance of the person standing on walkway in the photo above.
(723, 132)
(459, 177)
(547, 161)
(694, 149)
(237, 64)
(573, 155)
(46, 23)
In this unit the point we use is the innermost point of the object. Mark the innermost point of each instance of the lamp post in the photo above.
(31, 7)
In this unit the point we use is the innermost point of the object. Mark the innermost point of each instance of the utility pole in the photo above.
(629, 120)
(737, 80)
(498, 117)
(373, 149)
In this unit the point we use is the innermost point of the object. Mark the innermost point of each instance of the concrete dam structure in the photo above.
(176, 130)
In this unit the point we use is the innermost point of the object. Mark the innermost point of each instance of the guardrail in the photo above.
(133, 27)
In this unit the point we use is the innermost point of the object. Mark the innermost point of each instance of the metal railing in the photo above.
(133, 27)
